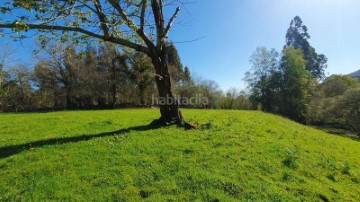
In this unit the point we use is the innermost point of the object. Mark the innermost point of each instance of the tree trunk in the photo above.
(169, 105)
(141, 95)
(113, 85)
(69, 104)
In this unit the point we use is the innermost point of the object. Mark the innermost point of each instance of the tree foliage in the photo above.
(264, 64)
(286, 85)
(347, 107)
(102, 76)
(296, 85)
(297, 36)
(281, 86)
(335, 103)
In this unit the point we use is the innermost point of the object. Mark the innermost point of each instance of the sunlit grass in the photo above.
(112, 155)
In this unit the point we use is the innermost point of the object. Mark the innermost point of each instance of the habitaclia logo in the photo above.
(197, 100)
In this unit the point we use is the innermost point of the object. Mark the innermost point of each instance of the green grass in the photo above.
(113, 156)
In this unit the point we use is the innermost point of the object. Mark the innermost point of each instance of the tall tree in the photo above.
(210, 92)
(48, 89)
(69, 71)
(264, 63)
(187, 74)
(58, 71)
(230, 98)
(108, 62)
(176, 67)
(186, 87)
(20, 91)
(138, 69)
(121, 22)
(6, 53)
(296, 85)
(297, 36)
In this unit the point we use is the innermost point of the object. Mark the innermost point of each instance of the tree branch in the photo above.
(123, 15)
(142, 15)
(131, 24)
(103, 20)
(167, 30)
(119, 41)
(156, 6)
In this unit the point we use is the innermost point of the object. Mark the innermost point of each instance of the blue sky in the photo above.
(234, 28)
(230, 31)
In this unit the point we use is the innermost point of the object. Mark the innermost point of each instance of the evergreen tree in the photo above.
(297, 36)
(175, 65)
(187, 76)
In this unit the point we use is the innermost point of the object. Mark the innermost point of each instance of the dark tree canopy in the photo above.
(187, 76)
(176, 67)
(297, 36)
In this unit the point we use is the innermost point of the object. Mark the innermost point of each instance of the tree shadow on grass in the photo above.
(15, 149)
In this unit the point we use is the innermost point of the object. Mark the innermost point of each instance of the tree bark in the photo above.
(113, 86)
(170, 112)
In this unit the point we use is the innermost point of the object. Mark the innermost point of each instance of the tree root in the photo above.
(158, 123)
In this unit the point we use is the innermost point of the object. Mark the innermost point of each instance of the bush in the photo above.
(347, 110)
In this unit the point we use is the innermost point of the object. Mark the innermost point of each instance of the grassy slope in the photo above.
(243, 155)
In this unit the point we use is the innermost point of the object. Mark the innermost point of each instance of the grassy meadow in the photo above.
(114, 156)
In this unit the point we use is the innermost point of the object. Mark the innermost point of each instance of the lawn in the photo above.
(114, 156)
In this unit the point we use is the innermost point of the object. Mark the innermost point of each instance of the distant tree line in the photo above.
(102, 77)
(293, 84)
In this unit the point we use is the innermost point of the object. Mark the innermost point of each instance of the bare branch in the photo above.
(190, 41)
(86, 6)
(119, 41)
(156, 6)
(167, 30)
(123, 15)
(131, 24)
(142, 15)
